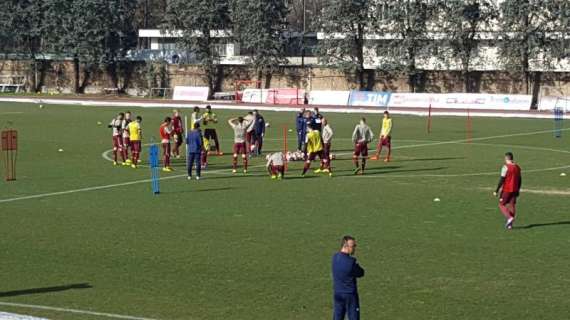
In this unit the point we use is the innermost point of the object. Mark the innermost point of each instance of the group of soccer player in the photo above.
(127, 134)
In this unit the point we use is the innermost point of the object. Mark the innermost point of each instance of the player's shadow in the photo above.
(431, 159)
(540, 225)
(382, 171)
(25, 292)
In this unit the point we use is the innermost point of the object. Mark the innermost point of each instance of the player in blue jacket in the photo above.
(301, 125)
(345, 271)
(259, 132)
(195, 144)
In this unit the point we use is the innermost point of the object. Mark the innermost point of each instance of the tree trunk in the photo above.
(536, 82)
(76, 74)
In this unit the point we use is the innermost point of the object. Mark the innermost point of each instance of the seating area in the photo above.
(12, 84)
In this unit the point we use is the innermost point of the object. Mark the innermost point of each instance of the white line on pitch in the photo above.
(83, 312)
(51, 194)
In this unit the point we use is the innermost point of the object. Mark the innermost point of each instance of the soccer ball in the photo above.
(267, 125)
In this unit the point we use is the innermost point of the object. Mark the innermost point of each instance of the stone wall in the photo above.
(137, 77)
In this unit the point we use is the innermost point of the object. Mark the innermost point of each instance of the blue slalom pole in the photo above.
(154, 168)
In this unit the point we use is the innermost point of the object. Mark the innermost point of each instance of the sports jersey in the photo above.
(362, 133)
(194, 118)
(276, 159)
(314, 143)
(116, 125)
(125, 126)
(239, 131)
(135, 131)
(512, 175)
(165, 132)
(209, 119)
(177, 125)
(327, 134)
(386, 127)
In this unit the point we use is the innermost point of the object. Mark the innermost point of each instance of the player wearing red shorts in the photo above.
(135, 134)
(165, 133)
(385, 138)
(314, 149)
(126, 137)
(327, 135)
(177, 133)
(240, 127)
(509, 186)
(116, 126)
(361, 137)
(276, 165)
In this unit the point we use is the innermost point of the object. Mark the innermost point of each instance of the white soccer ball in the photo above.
(267, 125)
(436, 200)
(563, 174)
(60, 150)
(41, 106)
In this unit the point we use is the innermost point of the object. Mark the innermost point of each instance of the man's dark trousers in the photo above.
(346, 304)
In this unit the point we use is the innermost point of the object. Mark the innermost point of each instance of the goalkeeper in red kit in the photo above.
(508, 188)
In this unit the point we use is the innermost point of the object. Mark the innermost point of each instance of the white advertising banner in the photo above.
(549, 103)
(191, 93)
(479, 101)
(329, 98)
(255, 95)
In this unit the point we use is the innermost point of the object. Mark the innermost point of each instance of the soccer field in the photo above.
(84, 236)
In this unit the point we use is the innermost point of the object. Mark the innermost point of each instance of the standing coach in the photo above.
(345, 270)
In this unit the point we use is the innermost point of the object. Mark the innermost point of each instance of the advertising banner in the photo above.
(191, 93)
(329, 98)
(369, 98)
(292, 96)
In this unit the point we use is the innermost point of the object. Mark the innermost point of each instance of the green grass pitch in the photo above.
(247, 247)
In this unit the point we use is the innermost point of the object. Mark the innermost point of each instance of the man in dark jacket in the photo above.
(258, 132)
(195, 144)
(345, 271)
(301, 125)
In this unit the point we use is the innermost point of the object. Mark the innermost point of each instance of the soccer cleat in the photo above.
(189, 178)
(128, 162)
(167, 169)
(279, 176)
(509, 224)
(115, 163)
(244, 171)
(318, 171)
(124, 164)
(374, 158)
(325, 171)
(139, 161)
(387, 160)
(134, 166)
(177, 156)
(220, 153)
(357, 171)
(234, 171)
(273, 177)
(330, 174)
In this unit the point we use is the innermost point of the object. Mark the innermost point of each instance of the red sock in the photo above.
(245, 162)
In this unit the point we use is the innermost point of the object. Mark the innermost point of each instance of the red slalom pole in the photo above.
(285, 146)
(429, 120)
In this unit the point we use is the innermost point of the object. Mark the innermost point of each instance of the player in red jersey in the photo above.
(177, 133)
(165, 134)
(116, 125)
(509, 187)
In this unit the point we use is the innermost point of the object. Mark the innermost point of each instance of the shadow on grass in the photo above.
(431, 159)
(201, 190)
(539, 225)
(26, 292)
(376, 171)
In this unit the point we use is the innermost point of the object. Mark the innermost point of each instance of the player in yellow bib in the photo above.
(314, 148)
(385, 138)
(135, 133)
